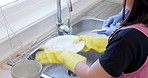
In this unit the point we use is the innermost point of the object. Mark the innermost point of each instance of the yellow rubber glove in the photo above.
(70, 59)
(46, 55)
(58, 56)
(96, 43)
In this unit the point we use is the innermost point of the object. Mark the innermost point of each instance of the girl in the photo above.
(126, 55)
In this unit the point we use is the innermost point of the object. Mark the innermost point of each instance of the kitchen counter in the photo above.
(103, 10)
(5, 69)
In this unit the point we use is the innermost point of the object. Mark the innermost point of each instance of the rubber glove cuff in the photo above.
(70, 59)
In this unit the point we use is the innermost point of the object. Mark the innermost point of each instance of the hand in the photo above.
(108, 31)
(46, 55)
(110, 24)
(98, 44)
(70, 59)
(58, 56)
(113, 20)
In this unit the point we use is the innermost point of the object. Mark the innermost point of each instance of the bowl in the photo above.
(27, 69)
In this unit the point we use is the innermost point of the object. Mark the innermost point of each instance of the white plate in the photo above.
(65, 42)
(98, 30)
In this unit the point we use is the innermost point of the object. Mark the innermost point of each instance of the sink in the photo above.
(86, 25)
(81, 27)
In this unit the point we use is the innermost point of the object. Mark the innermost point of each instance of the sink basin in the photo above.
(82, 27)
(86, 25)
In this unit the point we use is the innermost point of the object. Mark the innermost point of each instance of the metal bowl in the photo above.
(27, 69)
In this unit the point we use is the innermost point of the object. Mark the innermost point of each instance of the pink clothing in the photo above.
(139, 27)
(142, 72)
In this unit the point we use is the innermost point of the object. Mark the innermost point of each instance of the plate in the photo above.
(98, 30)
(65, 42)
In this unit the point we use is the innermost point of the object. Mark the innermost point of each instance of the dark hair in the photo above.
(138, 14)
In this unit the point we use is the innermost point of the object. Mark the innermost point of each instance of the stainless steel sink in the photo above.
(82, 27)
(85, 26)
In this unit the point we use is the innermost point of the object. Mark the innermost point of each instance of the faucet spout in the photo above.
(61, 28)
(59, 17)
(69, 3)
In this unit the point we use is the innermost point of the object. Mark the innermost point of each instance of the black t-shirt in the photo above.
(126, 52)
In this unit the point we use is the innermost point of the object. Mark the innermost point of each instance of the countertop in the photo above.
(5, 69)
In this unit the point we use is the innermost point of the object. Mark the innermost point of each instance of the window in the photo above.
(31, 20)
(22, 14)
(5, 2)
(25, 17)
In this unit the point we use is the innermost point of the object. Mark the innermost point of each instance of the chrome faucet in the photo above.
(63, 29)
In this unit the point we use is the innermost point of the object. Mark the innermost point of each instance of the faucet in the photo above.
(63, 29)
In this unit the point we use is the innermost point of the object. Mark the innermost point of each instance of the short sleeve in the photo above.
(117, 56)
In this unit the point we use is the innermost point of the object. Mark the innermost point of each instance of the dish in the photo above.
(65, 42)
(98, 30)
